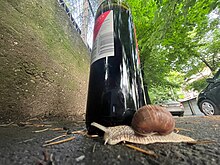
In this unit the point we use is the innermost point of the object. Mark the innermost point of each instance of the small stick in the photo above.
(5, 125)
(26, 140)
(56, 129)
(92, 136)
(93, 149)
(148, 152)
(32, 119)
(80, 121)
(42, 130)
(84, 132)
(59, 142)
(51, 140)
(42, 125)
(79, 132)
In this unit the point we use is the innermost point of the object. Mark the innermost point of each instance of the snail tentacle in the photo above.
(99, 126)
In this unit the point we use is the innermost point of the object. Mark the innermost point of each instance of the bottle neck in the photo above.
(110, 5)
(114, 2)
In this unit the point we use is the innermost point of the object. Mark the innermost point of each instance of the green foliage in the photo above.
(176, 35)
(198, 85)
(210, 50)
(169, 90)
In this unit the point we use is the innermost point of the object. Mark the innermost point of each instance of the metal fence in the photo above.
(81, 14)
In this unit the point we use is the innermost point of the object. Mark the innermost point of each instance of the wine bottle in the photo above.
(115, 89)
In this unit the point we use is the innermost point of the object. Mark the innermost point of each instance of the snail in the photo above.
(150, 124)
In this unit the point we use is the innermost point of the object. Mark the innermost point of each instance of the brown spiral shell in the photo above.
(152, 118)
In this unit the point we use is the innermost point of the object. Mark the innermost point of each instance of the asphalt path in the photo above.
(22, 143)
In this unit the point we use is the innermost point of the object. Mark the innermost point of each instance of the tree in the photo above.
(176, 36)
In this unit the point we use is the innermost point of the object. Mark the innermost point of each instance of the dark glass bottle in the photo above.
(115, 85)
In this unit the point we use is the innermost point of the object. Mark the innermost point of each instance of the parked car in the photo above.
(209, 98)
(174, 107)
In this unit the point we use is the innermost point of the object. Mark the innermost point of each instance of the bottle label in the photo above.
(103, 39)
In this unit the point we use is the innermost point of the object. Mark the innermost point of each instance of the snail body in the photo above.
(152, 119)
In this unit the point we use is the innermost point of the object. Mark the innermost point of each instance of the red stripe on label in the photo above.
(139, 61)
(98, 23)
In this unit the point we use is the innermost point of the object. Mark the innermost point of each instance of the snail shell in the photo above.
(151, 119)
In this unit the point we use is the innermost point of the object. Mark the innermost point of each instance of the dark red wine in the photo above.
(115, 84)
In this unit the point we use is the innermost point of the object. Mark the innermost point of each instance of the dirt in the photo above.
(44, 63)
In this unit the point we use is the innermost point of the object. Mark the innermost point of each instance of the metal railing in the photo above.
(81, 14)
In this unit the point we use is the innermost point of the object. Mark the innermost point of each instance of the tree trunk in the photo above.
(207, 64)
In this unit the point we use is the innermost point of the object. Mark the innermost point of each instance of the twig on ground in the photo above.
(92, 136)
(93, 149)
(56, 129)
(82, 132)
(42, 125)
(33, 119)
(42, 130)
(58, 137)
(147, 152)
(59, 142)
(26, 140)
(5, 125)
(82, 121)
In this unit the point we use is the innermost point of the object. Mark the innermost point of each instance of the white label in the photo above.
(103, 45)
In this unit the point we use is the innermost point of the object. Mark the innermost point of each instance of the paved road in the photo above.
(20, 145)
